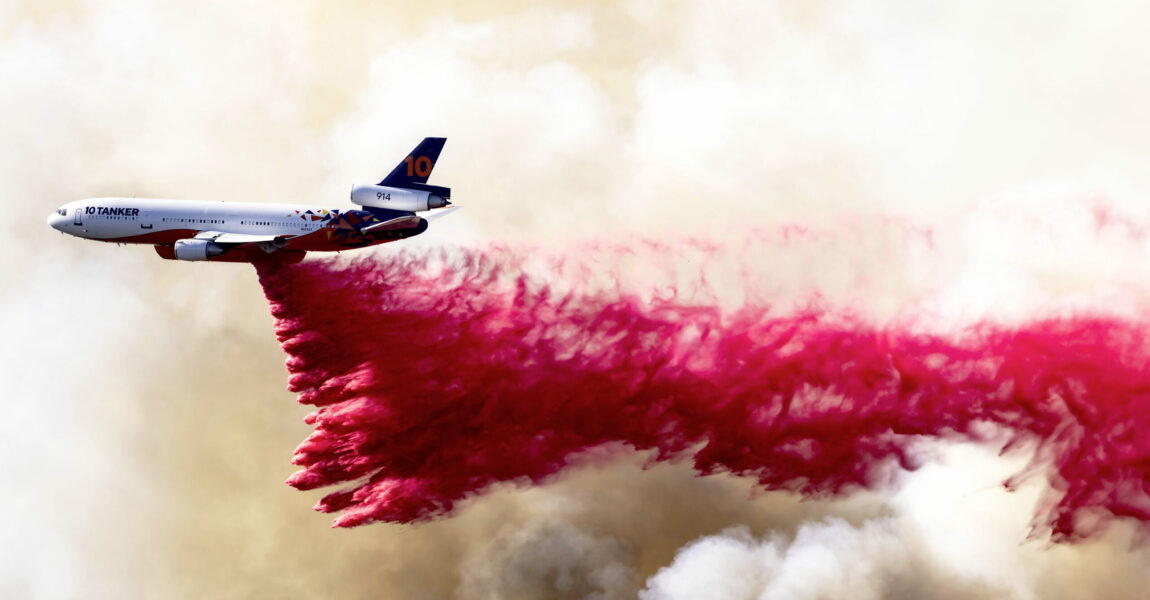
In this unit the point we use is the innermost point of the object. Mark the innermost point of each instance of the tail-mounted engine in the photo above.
(394, 198)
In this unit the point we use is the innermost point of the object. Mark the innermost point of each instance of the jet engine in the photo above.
(381, 196)
(197, 249)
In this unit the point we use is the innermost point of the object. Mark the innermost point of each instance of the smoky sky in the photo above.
(950, 162)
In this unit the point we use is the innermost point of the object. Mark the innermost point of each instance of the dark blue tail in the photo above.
(413, 171)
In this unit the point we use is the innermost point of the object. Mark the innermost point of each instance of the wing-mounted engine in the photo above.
(196, 249)
(404, 199)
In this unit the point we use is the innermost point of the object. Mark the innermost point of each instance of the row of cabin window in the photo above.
(304, 225)
(221, 221)
(175, 220)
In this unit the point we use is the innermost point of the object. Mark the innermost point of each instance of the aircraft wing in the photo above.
(265, 242)
(229, 247)
(228, 239)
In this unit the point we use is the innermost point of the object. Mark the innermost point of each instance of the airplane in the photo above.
(252, 232)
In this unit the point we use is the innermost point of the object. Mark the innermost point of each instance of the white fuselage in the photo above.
(251, 232)
(232, 231)
(130, 219)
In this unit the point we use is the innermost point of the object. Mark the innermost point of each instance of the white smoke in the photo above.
(955, 533)
(146, 396)
(831, 559)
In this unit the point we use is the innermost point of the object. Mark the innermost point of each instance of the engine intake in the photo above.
(382, 196)
(196, 249)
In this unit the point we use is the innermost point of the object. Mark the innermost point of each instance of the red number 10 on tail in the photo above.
(418, 166)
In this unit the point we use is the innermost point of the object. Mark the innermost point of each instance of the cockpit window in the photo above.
(61, 212)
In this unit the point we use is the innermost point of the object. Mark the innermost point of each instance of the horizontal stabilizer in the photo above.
(409, 222)
(442, 213)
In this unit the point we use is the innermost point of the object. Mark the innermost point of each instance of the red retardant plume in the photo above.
(435, 378)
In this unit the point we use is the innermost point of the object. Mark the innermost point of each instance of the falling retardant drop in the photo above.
(436, 376)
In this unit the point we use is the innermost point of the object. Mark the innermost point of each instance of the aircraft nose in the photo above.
(56, 221)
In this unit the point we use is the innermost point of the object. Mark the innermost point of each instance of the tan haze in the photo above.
(948, 157)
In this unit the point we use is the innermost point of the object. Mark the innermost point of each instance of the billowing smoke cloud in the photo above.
(436, 377)
(146, 429)
(825, 559)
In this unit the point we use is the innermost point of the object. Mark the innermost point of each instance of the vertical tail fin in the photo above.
(416, 168)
